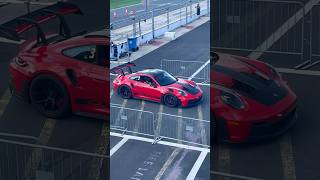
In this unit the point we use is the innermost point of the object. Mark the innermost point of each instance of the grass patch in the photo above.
(123, 3)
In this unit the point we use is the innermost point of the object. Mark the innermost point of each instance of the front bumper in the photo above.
(259, 131)
(266, 130)
(187, 102)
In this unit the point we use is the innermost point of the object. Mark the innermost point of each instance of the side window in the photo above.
(147, 80)
(135, 78)
(82, 53)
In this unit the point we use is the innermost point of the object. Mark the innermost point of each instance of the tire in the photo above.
(125, 92)
(170, 100)
(49, 96)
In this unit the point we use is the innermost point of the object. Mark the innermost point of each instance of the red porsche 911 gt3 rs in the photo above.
(59, 73)
(250, 100)
(155, 85)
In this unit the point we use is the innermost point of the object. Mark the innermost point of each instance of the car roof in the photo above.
(152, 72)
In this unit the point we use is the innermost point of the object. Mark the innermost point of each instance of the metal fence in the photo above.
(184, 129)
(150, 21)
(197, 70)
(25, 161)
(160, 126)
(268, 26)
(132, 120)
(244, 24)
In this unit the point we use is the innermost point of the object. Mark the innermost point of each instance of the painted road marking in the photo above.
(199, 70)
(168, 163)
(222, 174)
(159, 121)
(297, 71)
(4, 101)
(223, 159)
(138, 123)
(111, 93)
(282, 30)
(287, 159)
(5, 40)
(122, 106)
(102, 149)
(192, 174)
(180, 124)
(176, 151)
(202, 126)
(36, 155)
(118, 146)
(203, 84)
(166, 143)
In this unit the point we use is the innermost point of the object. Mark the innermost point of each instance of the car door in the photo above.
(150, 88)
(136, 86)
(90, 78)
(98, 74)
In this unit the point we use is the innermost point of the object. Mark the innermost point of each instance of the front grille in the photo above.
(266, 128)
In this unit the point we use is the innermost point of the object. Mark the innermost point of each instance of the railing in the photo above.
(149, 26)
(268, 26)
(158, 126)
(25, 161)
(186, 69)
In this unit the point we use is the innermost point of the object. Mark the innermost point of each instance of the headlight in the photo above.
(20, 62)
(182, 93)
(232, 100)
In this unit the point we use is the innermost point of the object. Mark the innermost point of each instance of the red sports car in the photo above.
(155, 85)
(59, 73)
(250, 100)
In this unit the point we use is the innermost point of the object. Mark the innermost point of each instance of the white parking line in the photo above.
(192, 174)
(199, 70)
(298, 71)
(287, 158)
(118, 145)
(5, 40)
(184, 146)
(203, 84)
(234, 176)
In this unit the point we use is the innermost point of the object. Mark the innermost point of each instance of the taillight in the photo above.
(20, 62)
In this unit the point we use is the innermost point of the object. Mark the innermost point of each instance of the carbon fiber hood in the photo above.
(244, 79)
(185, 86)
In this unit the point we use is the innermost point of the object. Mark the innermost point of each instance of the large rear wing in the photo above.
(123, 69)
(14, 28)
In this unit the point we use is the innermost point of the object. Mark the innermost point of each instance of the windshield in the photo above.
(165, 78)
